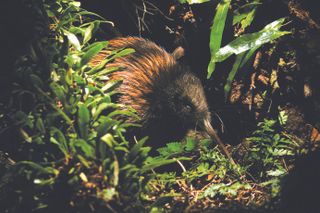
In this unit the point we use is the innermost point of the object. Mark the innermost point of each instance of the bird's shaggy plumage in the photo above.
(168, 98)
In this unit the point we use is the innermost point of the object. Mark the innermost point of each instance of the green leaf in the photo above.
(62, 114)
(276, 173)
(75, 3)
(175, 147)
(35, 166)
(191, 144)
(136, 149)
(83, 114)
(116, 170)
(58, 138)
(20, 118)
(81, 145)
(25, 135)
(73, 40)
(84, 161)
(108, 139)
(124, 52)
(248, 55)
(125, 112)
(101, 70)
(217, 32)
(250, 41)
(40, 126)
(213, 190)
(107, 195)
(245, 14)
(112, 56)
(232, 73)
(72, 59)
(58, 91)
(109, 86)
(105, 124)
(193, 1)
(93, 51)
(102, 107)
(88, 13)
(248, 19)
(83, 121)
(283, 117)
(36, 81)
(88, 33)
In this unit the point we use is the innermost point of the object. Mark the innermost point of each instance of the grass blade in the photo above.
(217, 31)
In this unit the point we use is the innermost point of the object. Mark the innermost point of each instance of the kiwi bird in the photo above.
(168, 98)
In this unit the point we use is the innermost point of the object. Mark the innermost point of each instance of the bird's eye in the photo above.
(188, 107)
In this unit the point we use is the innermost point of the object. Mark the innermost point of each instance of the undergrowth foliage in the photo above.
(71, 152)
(268, 149)
(72, 144)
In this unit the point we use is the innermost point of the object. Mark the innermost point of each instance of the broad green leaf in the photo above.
(93, 51)
(83, 121)
(75, 3)
(76, 30)
(25, 135)
(105, 124)
(123, 112)
(82, 145)
(101, 150)
(109, 86)
(108, 139)
(100, 108)
(83, 114)
(217, 31)
(136, 149)
(72, 59)
(73, 40)
(88, 33)
(40, 126)
(250, 41)
(108, 70)
(58, 90)
(124, 52)
(97, 68)
(242, 59)
(112, 56)
(58, 138)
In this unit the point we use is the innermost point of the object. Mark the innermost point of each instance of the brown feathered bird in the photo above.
(167, 97)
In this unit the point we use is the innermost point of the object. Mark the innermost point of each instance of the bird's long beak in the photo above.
(213, 134)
